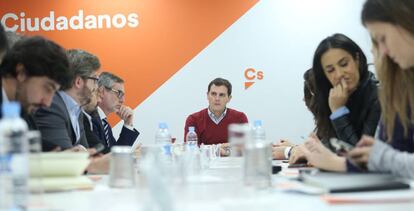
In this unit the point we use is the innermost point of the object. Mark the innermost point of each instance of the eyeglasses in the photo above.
(95, 79)
(120, 94)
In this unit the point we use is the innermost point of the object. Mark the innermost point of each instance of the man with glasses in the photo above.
(61, 125)
(111, 96)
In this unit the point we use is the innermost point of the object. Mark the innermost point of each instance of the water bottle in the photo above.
(258, 159)
(192, 138)
(163, 138)
(258, 131)
(14, 167)
(193, 152)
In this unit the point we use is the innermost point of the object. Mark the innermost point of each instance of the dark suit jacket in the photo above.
(56, 128)
(126, 138)
(91, 137)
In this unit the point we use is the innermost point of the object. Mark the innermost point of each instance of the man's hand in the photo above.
(283, 143)
(99, 165)
(225, 149)
(137, 153)
(278, 152)
(77, 148)
(126, 114)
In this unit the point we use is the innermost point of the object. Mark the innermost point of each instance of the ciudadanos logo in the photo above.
(80, 21)
(251, 75)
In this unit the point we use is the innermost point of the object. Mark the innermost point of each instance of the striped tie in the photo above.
(106, 130)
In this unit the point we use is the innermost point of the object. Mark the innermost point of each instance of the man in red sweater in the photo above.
(211, 124)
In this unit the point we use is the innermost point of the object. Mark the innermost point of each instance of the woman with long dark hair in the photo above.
(391, 25)
(346, 92)
(345, 97)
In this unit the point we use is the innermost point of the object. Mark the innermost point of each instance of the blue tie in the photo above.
(106, 127)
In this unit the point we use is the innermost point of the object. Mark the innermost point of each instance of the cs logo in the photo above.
(251, 75)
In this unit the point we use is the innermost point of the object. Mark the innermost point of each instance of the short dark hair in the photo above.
(220, 82)
(40, 57)
(82, 63)
(3, 40)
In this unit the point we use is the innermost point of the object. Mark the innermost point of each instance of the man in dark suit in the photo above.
(93, 139)
(61, 125)
(111, 96)
(31, 72)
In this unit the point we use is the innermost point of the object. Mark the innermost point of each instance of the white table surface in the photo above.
(218, 188)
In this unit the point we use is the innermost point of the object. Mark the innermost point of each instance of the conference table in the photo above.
(219, 187)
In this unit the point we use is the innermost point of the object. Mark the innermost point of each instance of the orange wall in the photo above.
(169, 34)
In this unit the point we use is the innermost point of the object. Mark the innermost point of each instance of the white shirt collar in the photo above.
(101, 113)
(215, 119)
(89, 119)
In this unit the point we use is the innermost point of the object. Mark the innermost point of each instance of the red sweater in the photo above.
(209, 132)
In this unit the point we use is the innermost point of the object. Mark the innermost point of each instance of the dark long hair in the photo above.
(309, 93)
(397, 85)
(339, 41)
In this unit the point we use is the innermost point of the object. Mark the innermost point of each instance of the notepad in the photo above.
(353, 182)
(53, 184)
(58, 171)
(58, 164)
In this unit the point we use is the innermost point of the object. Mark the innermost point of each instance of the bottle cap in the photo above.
(162, 125)
(11, 109)
(258, 123)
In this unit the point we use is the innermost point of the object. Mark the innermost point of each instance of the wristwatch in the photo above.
(226, 151)
(287, 152)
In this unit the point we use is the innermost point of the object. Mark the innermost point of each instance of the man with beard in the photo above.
(31, 72)
(61, 125)
(88, 109)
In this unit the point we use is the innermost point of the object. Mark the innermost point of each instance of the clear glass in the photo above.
(121, 168)
(258, 164)
(205, 156)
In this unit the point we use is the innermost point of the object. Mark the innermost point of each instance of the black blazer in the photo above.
(126, 138)
(91, 137)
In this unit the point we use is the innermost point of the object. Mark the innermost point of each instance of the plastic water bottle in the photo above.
(192, 138)
(14, 166)
(193, 152)
(163, 138)
(258, 131)
(258, 159)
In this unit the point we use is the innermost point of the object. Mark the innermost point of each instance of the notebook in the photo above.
(53, 184)
(353, 182)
